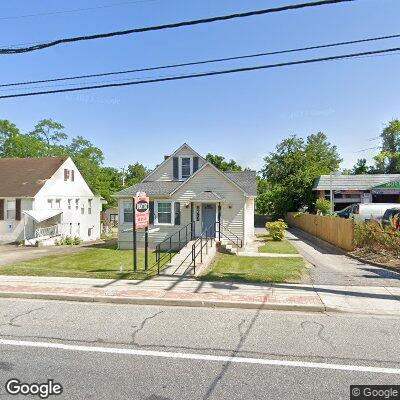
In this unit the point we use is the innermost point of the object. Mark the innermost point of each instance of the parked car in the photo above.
(390, 215)
(363, 212)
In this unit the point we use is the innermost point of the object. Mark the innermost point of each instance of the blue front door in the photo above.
(208, 218)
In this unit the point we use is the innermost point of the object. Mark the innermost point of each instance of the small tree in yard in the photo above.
(323, 206)
(276, 229)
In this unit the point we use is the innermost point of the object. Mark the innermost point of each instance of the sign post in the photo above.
(141, 221)
(134, 235)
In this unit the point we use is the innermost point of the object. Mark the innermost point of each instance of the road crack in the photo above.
(321, 328)
(12, 320)
(140, 328)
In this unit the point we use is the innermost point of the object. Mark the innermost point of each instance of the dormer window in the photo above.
(186, 167)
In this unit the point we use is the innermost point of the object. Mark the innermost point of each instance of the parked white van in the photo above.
(362, 212)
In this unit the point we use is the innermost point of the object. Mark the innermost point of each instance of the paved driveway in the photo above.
(333, 267)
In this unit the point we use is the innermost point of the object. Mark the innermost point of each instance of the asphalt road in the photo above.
(105, 351)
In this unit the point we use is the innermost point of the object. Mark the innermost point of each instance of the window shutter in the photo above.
(195, 164)
(176, 167)
(72, 175)
(18, 209)
(1, 209)
(65, 174)
(151, 211)
(177, 213)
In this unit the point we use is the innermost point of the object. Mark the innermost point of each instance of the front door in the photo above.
(208, 212)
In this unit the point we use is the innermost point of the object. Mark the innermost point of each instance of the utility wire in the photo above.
(168, 26)
(204, 74)
(75, 10)
(216, 60)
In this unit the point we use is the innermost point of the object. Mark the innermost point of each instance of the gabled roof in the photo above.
(245, 179)
(169, 157)
(154, 188)
(24, 177)
(353, 182)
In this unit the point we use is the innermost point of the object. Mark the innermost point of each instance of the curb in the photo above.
(375, 264)
(167, 302)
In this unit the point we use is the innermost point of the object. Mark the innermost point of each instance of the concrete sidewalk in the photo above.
(165, 290)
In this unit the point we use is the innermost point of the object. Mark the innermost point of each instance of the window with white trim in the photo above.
(185, 167)
(76, 204)
(50, 203)
(89, 206)
(58, 203)
(163, 213)
(69, 203)
(10, 209)
(128, 211)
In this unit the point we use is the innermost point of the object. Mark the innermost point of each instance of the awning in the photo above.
(42, 215)
(208, 196)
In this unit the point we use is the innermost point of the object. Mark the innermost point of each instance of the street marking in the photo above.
(199, 357)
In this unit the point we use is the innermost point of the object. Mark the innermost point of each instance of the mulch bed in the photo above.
(384, 258)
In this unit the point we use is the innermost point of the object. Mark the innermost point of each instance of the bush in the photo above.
(276, 229)
(68, 241)
(323, 207)
(374, 237)
(77, 240)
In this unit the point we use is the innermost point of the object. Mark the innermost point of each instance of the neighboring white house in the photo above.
(185, 190)
(42, 198)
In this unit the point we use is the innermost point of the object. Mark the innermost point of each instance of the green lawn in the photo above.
(270, 246)
(255, 269)
(90, 263)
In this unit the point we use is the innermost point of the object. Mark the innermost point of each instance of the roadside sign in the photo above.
(141, 210)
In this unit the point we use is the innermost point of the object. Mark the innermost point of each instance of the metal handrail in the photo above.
(238, 239)
(203, 240)
(168, 251)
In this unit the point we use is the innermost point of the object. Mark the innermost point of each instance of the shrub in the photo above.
(68, 240)
(276, 229)
(323, 207)
(374, 237)
(77, 240)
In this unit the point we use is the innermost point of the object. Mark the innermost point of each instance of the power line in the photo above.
(44, 45)
(75, 10)
(216, 60)
(204, 74)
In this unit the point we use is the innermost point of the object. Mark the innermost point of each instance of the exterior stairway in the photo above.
(175, 267)
(227, 247)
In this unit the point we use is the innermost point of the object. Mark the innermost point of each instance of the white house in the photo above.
(44, 198)
(185, 190)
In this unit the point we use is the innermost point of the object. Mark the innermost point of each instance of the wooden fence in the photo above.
(334, 230)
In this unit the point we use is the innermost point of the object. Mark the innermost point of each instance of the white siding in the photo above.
(12, 230)
(165, 171)
(232, 210)
(249, 218)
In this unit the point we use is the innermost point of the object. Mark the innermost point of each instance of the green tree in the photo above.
(292, 169)
(361, 167)
(221, 163)
(50, 132)
(135, 173)
(388, 160)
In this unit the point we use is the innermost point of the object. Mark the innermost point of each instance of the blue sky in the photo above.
(241, 116)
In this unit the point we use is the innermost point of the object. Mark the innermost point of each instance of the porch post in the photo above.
(219, 221)
(24, 228)
(192, 225)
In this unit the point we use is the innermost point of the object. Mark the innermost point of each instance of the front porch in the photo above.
(42, 227)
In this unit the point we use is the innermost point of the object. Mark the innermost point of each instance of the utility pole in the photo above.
(123, 176)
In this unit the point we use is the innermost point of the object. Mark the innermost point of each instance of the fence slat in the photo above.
(334, 230)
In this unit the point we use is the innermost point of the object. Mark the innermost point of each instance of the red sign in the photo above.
(142, 211)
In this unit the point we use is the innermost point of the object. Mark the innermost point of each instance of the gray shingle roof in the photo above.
(207, 196)
(155, 188)
(244, 179)
(353, 182)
